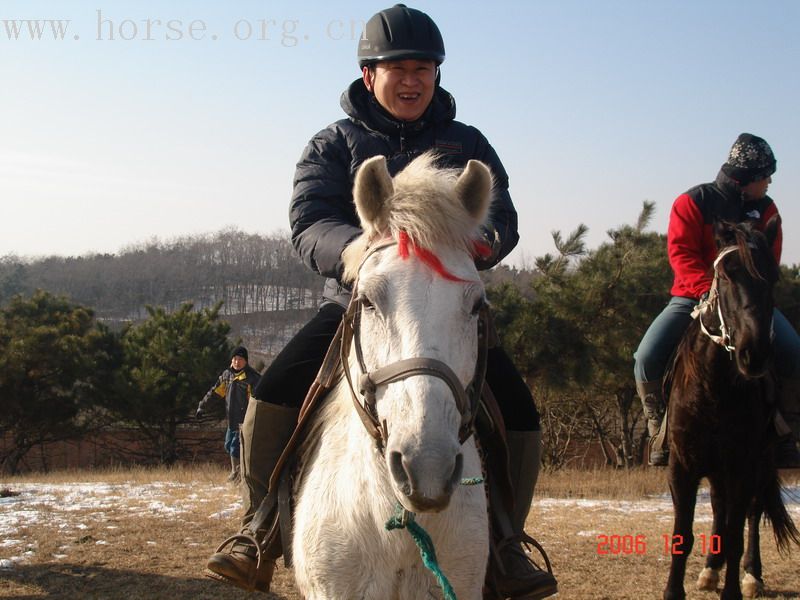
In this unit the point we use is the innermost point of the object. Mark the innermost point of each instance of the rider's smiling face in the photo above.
(403, 87)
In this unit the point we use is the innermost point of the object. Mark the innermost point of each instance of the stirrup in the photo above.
(663, 453)
(495, 589)
(251, 584)
(528, 542)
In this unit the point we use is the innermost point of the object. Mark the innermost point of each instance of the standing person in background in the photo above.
(234, 386)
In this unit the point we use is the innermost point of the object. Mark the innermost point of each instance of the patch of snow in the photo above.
(56, 506)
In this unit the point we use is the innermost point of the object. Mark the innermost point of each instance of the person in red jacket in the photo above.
(738, 194)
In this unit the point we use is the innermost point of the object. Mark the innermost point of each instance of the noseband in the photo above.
(369, 381)
(707, 305)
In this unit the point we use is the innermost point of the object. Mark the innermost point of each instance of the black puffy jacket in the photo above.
(322, 213)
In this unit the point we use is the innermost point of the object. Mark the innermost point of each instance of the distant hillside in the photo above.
(266, 291)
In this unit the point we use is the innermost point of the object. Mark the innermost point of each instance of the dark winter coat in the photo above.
(322, 212)
(690, 238)
(235, 387)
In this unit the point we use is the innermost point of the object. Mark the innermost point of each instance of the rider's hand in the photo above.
(492, 240)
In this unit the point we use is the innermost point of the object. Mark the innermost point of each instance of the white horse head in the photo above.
(416, 300)
(420, 299)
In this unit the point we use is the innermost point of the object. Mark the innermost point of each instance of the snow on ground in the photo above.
(60, 504)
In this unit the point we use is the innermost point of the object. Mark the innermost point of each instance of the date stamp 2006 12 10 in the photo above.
(670, 544)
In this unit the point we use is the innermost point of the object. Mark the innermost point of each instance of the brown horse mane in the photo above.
(746, 238)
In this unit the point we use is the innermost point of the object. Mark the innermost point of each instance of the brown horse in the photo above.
(721, 409)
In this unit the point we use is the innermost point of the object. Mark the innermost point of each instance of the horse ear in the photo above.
(723, 234)
(771, 230)
(473, 188)
(372, 188)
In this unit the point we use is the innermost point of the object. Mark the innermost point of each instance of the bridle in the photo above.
(365, 400)
(713, 299)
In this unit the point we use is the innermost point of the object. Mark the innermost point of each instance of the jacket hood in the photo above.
(361, 106)
(729, 187)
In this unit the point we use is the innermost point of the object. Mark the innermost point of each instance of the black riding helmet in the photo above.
(399, 33)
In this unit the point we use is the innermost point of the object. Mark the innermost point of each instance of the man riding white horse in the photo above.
(396, 109)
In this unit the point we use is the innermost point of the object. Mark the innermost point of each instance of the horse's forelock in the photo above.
(747, 239)
(426, 209)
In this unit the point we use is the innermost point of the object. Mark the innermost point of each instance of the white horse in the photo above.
(413, 449)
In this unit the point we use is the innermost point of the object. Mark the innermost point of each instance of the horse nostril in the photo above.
(455, 478)
(744, 356)
(399, 472)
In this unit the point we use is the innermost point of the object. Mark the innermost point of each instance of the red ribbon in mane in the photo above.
(405, 246)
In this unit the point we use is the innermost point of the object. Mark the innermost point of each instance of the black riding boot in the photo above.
(265, 432)
(514, 574)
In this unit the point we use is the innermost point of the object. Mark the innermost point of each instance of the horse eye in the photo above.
(366, 303)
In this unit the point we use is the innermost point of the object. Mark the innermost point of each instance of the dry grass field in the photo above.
(134, 534)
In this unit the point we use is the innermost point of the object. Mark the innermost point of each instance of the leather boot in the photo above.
(239, 565)
(517, 576)
(264, 434)
(787, 424)
(235, 475)
(653, 406)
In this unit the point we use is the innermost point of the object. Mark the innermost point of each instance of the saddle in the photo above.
(274, 516)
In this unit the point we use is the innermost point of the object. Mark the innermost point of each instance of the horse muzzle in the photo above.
(424, 483)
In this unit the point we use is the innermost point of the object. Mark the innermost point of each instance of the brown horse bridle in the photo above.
(365, 400)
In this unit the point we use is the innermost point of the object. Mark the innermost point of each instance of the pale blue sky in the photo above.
(593, 106)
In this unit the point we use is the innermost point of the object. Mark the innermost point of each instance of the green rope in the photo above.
(472, 481)
(404, 519)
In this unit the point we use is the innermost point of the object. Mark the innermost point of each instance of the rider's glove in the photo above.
(492, 241)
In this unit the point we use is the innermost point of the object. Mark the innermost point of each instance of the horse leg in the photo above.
(752, 582)
(683, 487)
(733, 543)
(709, 576)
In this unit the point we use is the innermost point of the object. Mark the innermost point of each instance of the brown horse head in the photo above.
(745, 274)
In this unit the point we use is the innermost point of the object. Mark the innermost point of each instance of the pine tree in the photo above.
(170, 360)
(56, 366)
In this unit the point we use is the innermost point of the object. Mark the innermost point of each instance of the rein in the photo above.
(369, 381)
